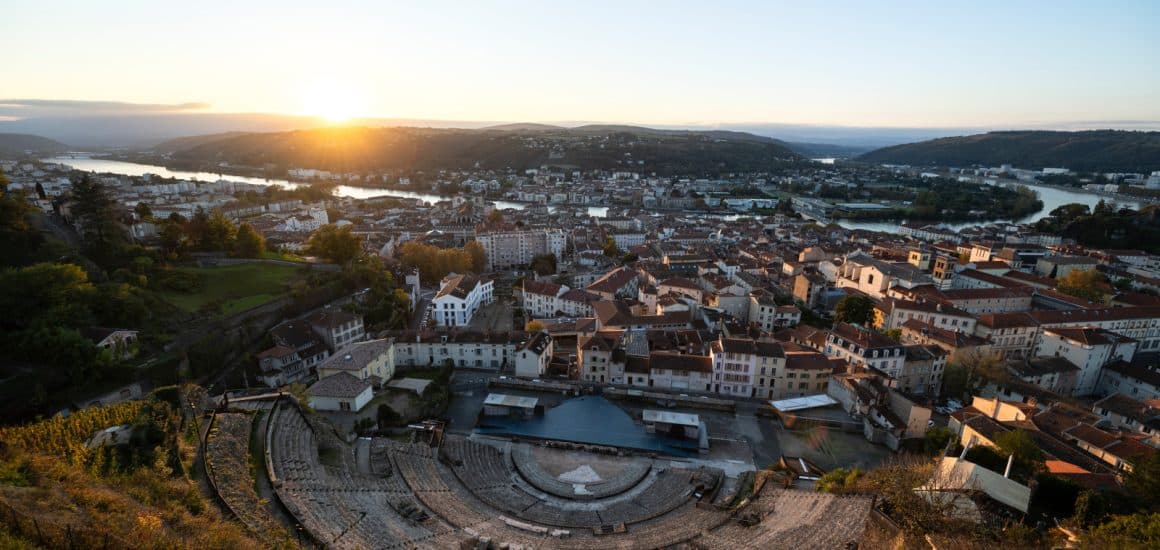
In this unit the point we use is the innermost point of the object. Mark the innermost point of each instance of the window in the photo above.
(344, 405)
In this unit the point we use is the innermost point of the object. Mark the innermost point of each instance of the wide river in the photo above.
(1052, 197)
(133, 169)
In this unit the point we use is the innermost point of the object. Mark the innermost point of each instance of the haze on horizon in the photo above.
(889, 64)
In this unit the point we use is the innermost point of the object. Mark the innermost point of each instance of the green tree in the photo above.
(893, 334)
(220, 233)
(1134, 531)
(20, 243)
(171, 236)
(544, 264)
(854, 309)
(337, 244)
(936, 439)
(248, 243)
(143, 211)
(1144, 480)
(1019, 443)
(94, 209)
(56, 294)
(838, 480)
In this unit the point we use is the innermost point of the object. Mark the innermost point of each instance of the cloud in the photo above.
(34, 108)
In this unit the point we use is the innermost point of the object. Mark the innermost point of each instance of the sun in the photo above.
(332, 102)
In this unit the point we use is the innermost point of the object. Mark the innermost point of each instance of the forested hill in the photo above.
(19, 143)
(627, 148)
(1088, 151)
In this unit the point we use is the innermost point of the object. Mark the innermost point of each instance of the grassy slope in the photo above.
(238, 287)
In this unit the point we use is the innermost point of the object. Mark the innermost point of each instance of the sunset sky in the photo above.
(847, 63)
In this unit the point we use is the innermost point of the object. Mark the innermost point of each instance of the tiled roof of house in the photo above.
(341, 385)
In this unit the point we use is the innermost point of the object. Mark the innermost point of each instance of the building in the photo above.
(602, 356)
(465, 349)
(340, 393)
(373, 360)
(532, 357)
(505, 249)
(281, 365)
(892, 313)
(866, 348)
(459, 297)
(887, 416)
(1054, 374)
(1089, 349)
(620, 282)
(738, 363)
(498, 404)
(337, 328)
(673, 424)
(1139, 379)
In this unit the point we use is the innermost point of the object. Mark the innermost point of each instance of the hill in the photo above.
(523, 127)
(665, 152)
(1088, 151)
(17, 144)
(183, 143)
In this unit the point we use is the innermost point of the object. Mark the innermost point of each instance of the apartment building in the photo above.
(505, 249)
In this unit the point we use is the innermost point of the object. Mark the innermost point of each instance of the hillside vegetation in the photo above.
(132, 491)
(19, 143)
(1089, 151)
(587, 148)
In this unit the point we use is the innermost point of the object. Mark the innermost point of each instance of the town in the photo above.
(583, 359)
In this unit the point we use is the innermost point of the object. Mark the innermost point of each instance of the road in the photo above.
(421, 308)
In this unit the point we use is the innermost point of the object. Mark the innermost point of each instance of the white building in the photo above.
(533, 356)
(459, 297)
(1090, 349)
(341, 392)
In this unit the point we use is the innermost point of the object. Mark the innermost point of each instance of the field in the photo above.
(236, 287)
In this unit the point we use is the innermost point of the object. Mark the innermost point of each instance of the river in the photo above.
(1052, 197)
(102, 166)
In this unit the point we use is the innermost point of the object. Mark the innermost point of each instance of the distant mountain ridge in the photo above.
(1083, 151)
(15, 144)
(521, 147)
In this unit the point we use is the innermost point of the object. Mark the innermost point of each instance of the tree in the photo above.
(337, 244)
(838, 480)
(220, 232)
(544, 264)
(1088, 284)
(478, 256)
(936, 439)
(1144, 479)
(94, 209)
(1019, 443)
(496, 216)
(55, 294)
(854, 310)
(534, 326)
(20, 243)
(143, 211)
(610, 248)
(248, 243)
(1134, 531)
(893, 334)
(172, 236)
(433, 262)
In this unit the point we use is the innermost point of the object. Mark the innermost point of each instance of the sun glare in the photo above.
(332, 102)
